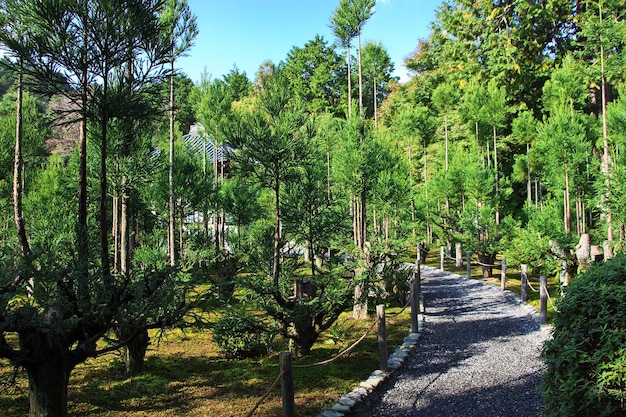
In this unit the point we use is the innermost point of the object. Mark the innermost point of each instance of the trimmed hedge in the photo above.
(586, 358)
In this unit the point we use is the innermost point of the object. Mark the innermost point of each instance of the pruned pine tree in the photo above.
(267, 145)
(76, 49)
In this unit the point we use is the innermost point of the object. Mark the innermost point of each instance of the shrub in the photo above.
(586, 358)
(240, 335)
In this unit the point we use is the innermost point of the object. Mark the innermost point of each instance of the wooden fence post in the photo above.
(543, 299)
(459, 255)
(442, 256)
(503, 275)
(468, 255)
(524, 289)
(382, 338)
(416, 288)
(286, 384)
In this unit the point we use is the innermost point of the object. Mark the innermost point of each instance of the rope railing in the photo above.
(544, 299)
(287, 367)
(487, 265)
(357, 342)
(340, 354)
(266, 394)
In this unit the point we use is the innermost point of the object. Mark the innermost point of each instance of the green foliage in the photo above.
(377, 69)
(302, 318)
(317, 76)
(586, 358)
(481, 235)
(531, 244)
(241, 335)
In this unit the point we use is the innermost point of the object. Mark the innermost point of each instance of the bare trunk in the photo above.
(567, 206)
(349, 83)
(123, 225)
(115, 208)
(495, 164)
(276, 265)
(360, 78)
(363, 198)
(606, 158)
(374, 222)
(445, 126)
(375, 107)
(528, 180)
(216, 215)
(104, 230)
(171, 233)
(82, 237)
(48, 373)
(135, 350)
(18, 169)
(476, 132)
(181, 241)
(363, 219)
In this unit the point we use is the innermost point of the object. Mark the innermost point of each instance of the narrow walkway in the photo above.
(479, 355)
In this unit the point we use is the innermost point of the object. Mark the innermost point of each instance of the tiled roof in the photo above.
(197, 138)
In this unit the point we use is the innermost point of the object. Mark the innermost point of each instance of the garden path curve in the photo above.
(478, 355)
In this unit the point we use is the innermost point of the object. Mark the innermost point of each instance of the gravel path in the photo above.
(479, 355)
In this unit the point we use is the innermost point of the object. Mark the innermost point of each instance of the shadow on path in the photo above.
(479, 355)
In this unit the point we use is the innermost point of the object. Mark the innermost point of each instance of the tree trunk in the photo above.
(445, 127)
(47, 388)
(48, 373)
(181, 234)
(18, 167)
(135, 353)
(103, 218)
(495, 165)
(171, 232)
(567, 206)
(82, 240)
(606, 158)
(528, 180)
(124, 235)
(486, 260)
(360, 78)
(276, 265)
(226, 270)
(375, 106)
(115, 213)
(349, 82)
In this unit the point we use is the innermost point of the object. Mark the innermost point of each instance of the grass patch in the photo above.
(185, 376)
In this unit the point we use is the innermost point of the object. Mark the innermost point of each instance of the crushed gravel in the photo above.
(478, 355)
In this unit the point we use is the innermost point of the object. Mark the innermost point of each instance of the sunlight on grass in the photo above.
(185, 376)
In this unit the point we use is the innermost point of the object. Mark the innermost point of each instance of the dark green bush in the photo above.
(586, 358)
(240, 335)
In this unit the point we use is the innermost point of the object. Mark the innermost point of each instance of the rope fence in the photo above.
(544, 294)
(286, 359)
(266, 394)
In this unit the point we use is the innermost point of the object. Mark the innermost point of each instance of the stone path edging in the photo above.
(396, 360)
(347, 402)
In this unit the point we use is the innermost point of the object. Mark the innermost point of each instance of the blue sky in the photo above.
(245, 33)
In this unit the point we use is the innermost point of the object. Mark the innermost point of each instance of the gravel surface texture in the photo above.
(478, 356)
